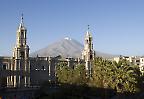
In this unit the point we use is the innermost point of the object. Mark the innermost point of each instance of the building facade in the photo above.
(135, 60)
(20, 70)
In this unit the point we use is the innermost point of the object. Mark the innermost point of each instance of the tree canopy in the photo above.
(122, 77)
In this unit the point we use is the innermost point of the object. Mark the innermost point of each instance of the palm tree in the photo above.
(124, 77)
(121, 76)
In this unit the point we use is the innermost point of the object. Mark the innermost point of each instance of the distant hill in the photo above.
(66, 47)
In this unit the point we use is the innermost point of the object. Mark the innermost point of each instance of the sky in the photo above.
(117, 26)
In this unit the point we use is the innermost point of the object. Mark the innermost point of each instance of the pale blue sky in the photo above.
(117, 26)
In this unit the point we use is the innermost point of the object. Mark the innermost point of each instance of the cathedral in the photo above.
(20, 70)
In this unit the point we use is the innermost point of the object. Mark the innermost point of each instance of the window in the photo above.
(91, 56)
(137, 60)
(87, 41)
(22, 54)
(22, 32)
(4, 66)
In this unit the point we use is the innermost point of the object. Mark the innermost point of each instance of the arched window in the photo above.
(22, 54)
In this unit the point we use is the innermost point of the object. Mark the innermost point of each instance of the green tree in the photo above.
(64, 73)
(69, 75)
(101, 73)
(79, 75)
(121, 76)
(124, 77)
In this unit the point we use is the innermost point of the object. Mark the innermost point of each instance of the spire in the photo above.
(88, 31)
(22, 18)
(88, 27)
(21, 23)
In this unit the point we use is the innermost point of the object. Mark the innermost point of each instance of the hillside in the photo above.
(66, 47)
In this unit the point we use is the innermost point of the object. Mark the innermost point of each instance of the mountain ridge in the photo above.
(66, 47)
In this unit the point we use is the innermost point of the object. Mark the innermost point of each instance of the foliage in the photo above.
(69, 75)
(121, 76)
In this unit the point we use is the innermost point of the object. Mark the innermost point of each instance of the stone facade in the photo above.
(20, 70)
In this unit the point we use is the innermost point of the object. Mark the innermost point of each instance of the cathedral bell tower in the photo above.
(21, 58)
(88, 53)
